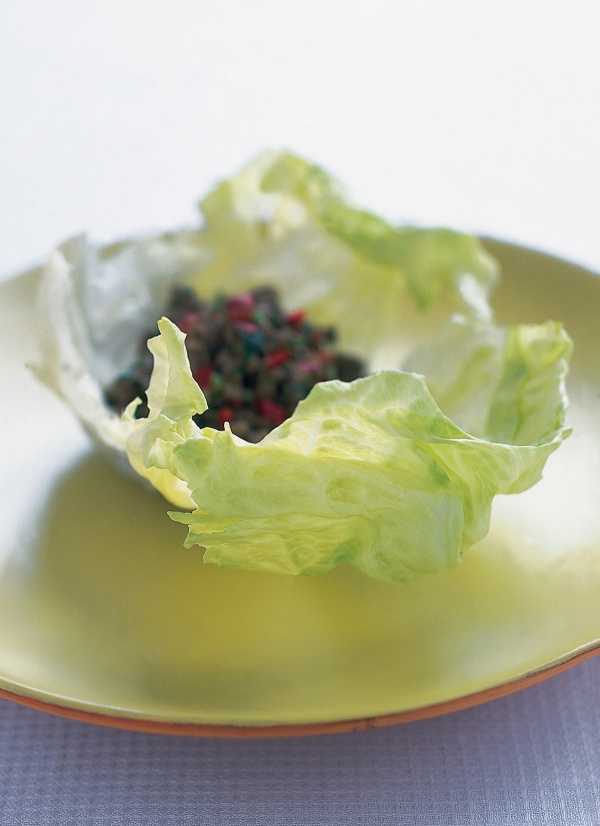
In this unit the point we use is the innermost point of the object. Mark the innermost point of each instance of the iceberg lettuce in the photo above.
(394, 473)
(93, 306)
(373, 472)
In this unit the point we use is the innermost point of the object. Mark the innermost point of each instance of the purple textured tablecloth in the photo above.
(531, 758)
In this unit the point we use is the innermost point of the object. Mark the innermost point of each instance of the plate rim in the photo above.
(143, 725)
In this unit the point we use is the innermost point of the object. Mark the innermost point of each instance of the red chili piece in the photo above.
(225, 414)
(273, 412)
(203, 375)
(296, 318)
(277, 358)
(188, 321)
(240, 307)
(245, 327)
(308, 366)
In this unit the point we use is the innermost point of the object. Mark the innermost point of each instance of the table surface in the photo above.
(116, 118)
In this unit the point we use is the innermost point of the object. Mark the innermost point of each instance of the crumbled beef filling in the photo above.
(253, 361)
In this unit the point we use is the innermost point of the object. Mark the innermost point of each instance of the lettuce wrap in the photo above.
(394, 473)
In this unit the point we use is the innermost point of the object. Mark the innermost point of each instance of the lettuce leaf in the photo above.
(431, 261)
(372, 472)
(93, 307)
(394, 473)
(286, 222)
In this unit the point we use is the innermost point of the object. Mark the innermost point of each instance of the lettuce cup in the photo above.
(394, 472)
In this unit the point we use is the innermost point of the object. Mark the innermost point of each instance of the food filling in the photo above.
(253, 360)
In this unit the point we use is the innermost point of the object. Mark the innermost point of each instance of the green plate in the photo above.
(104, 616)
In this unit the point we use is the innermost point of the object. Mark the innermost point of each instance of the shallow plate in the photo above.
(104, 616)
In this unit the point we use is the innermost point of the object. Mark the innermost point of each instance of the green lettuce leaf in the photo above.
(372, 472)
(93, 307)
(502, 384)
(393, 473)
(286, 222)
(431, 261)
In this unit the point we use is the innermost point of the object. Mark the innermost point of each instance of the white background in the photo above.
(116, 116)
